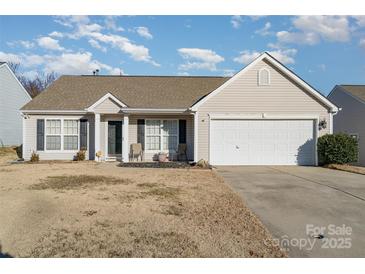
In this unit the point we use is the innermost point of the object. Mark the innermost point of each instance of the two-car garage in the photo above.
(262, 142)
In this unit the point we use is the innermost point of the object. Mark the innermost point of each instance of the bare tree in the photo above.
(14, 67)
(36, 85)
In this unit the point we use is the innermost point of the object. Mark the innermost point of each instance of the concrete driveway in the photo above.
(298, 204)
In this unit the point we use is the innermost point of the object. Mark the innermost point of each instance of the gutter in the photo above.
(154, 110)
(54, 111)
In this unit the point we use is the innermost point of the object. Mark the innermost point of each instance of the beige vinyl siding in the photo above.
(350, 119)
(189, 131)
(30, 136)
(245, 96)
(133, 131)
(107, 106)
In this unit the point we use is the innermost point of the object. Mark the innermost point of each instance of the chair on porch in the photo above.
(182, 151)
(136, 151)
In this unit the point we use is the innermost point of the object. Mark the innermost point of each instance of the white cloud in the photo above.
(360, 20)
(256, 17)
(111, 23)
(228, 72)
(265, 30)
(183, 73)
(246, 56)
(309, 38)
(206, 55)
(96, 44)
(22, 43)
(236, 21)
(65, 63)
(137, 52)
(286, 56)
(33, 60)
(89, 28)
(362, 43)
(75, 63)
(322, 67)
(116, 71)
(144, 32)
(83, 28)
(197, 58)
(69, 20)
(9, 57)
(311, 29)
(56, 34)
(49, 43)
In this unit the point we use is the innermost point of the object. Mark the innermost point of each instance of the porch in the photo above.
(117, 133)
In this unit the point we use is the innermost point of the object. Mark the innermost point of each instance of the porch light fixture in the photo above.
(322, 124)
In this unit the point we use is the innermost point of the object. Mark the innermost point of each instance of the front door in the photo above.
(115, 137)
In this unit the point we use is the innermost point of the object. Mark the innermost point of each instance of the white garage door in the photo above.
(262, 142)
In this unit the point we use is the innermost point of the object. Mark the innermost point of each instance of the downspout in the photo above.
(333, 113)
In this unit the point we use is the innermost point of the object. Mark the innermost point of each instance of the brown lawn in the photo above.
(87, 209)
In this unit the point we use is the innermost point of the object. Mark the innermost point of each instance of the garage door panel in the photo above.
(262, 142)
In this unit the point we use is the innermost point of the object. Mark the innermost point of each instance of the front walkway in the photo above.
(290, 199)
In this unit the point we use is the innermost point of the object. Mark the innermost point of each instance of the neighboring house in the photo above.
(351, 98)
(263, 115)
(12, 97)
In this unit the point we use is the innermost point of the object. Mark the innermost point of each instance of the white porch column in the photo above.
(97, 134)
(125, 142)
(196, 122)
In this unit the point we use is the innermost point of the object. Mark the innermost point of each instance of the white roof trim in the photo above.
(16, 78)
(154, 110)
(102, 99)
(282, 68)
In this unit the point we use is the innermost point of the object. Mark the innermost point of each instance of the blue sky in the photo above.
(323, 50)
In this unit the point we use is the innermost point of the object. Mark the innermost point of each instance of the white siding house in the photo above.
(12, 97)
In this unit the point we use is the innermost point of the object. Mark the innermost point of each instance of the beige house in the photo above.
(263, 115)
(351, 99)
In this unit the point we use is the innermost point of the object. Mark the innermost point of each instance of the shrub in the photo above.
(34, 157)
(19, 151)
(80, 155)
(337, 148)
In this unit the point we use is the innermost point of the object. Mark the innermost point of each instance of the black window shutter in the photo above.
(140, 132)
(40, 134)
(83, 134)
(182, 131)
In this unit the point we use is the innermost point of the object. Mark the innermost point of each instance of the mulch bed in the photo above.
(347, 168)
(158, 165)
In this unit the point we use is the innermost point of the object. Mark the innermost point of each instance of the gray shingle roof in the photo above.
(355, 90)
(80, 92)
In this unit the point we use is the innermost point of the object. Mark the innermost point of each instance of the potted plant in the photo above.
(162, 157)
(99, 154)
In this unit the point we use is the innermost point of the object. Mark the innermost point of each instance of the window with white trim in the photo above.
(169, 134)
(70, 134)
(62, 134)
(264, 77)
(153, 134)
(162, 134)
(53, 134)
